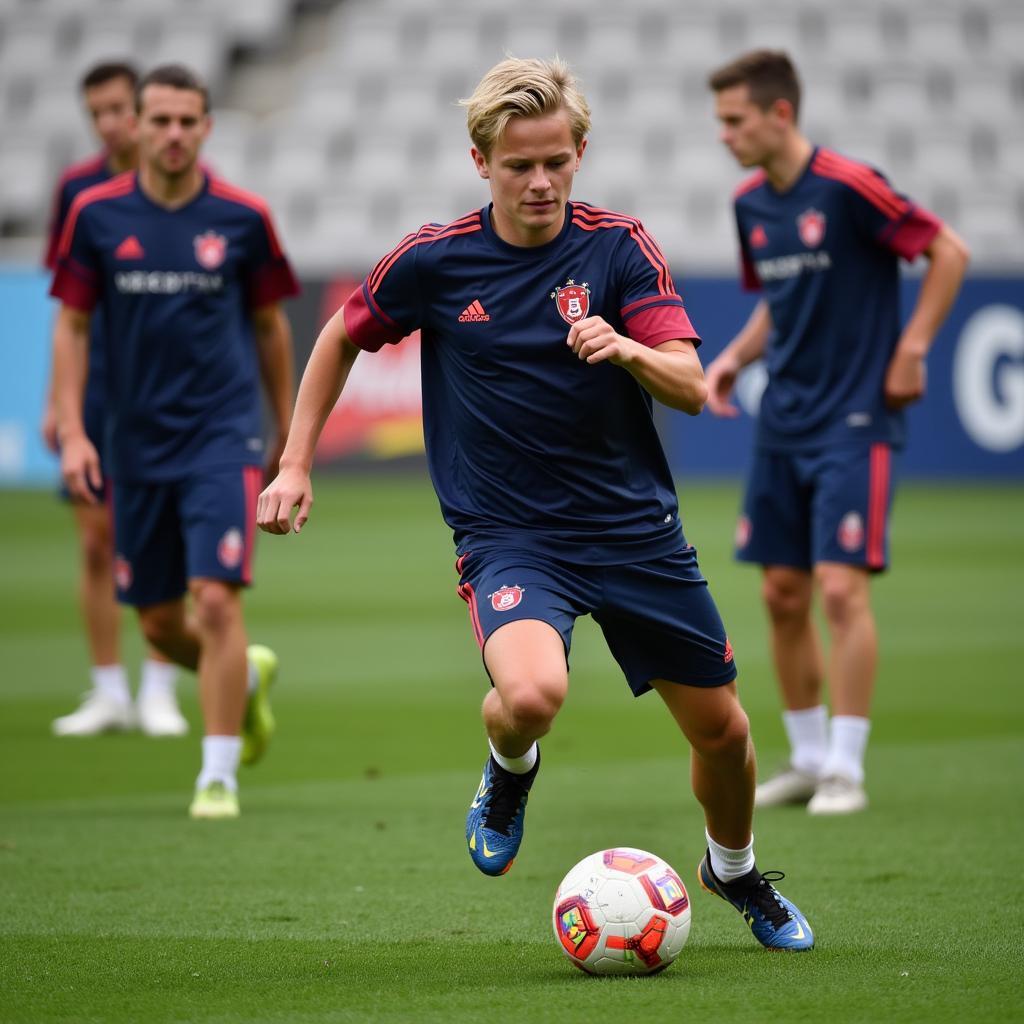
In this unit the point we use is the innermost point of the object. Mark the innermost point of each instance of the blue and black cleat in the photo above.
(494, 825)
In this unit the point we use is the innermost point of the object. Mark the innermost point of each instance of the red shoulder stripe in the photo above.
(749, 184)
(119, 186)
(225, 190)
(862, 180)
(592, 219)
(82, 168)
(428, 233)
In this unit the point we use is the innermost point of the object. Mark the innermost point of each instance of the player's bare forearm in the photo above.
(948, 257)
(70, 368)
(749, 344)
(672, 373)
(274, 348)
(326, 372)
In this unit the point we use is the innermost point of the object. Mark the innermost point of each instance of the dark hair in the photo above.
(769, 74)
(177, 76)
(100, 74)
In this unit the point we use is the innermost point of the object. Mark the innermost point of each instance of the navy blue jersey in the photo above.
(174, 289)
(75, 180)
(529, 446)
(826, 253)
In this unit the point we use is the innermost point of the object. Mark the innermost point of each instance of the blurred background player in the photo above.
(548, 326)
(822, 235)
(108, 90)
(187, 273)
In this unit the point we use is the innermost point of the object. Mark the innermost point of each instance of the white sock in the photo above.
(808, 738)
(728, 865)
(112, 682)
(516, 765)
(846, 747)
(220, 761)
(158, 679)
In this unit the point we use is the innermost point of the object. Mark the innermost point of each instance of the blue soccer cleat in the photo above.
(494, 825)
(775, 921)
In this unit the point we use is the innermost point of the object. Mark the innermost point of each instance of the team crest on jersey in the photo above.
(851, 532)
(572, 300)
(758, 237)
(504, 599)
(811, 227)
(211, 249)
(231, 548)
(122, 573)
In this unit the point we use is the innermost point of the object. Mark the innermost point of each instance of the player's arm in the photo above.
(671, 371)
(79, 462)
(326, 372)
(48, 426)
(746, 347)
(274, 348)
(905, 379)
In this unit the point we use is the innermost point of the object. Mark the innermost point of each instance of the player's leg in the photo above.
(108, 705)
(851, 509)
(524, 626)
(774, 532)
(665, 632)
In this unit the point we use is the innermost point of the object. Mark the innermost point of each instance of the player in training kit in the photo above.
(187, 275)
(821, 235)
(547, 327)
(108, 90)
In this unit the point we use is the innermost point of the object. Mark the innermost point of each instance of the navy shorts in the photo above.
(658, 617)
(832, 505)
(169, 532)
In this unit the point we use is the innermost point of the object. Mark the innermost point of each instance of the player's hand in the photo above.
(48, 428)
(80, 467)
(595, 341)
(290, 489)
(720, 378)
(905, 379)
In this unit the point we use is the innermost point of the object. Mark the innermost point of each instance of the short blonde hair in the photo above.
(520, 87)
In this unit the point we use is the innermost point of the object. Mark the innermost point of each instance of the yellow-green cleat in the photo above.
(258, 725)
(214, 801)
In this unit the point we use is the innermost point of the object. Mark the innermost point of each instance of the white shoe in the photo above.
(97, 713)
(838, 795)
(159, 716)
(790, 786)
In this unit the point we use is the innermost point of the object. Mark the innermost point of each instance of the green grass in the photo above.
(344, 892)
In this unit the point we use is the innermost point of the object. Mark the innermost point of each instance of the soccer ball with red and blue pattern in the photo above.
(621, 911)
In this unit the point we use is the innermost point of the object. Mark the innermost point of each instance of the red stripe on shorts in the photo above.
(466, 592)
(878, 503)
(252, 480)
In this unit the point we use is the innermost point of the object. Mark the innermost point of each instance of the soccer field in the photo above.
(344, 892)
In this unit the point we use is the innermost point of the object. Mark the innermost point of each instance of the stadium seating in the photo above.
(368, 139)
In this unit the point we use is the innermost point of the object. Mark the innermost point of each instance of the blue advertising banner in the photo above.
(970, 424)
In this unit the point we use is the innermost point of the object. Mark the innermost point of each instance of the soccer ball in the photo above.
(621, 911)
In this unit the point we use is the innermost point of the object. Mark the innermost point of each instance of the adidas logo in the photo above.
(473, 314)
(129, 249)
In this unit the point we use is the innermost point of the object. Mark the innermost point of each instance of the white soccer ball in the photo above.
(621, 911)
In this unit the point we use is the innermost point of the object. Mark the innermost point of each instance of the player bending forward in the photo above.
(547, 327)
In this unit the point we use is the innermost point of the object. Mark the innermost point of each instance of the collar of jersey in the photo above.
(177, 209)
(523, 252)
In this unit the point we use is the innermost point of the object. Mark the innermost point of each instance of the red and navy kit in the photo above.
(826, 254)
(174, 290)
(75, 180)
(549, 470)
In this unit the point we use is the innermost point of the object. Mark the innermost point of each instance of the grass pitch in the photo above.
(344, 892)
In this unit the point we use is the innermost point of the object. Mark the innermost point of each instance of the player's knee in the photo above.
(532, 707)
(786, 597)
(843, 594)
(97, 552)
(726, 738)
(161, 626)
(216, 606)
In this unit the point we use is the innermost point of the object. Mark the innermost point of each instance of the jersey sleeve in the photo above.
(77, 281)
(651, 310)
(748, 270)
(887, 216)
(58, 216)
(269, 277)
(386, 307)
